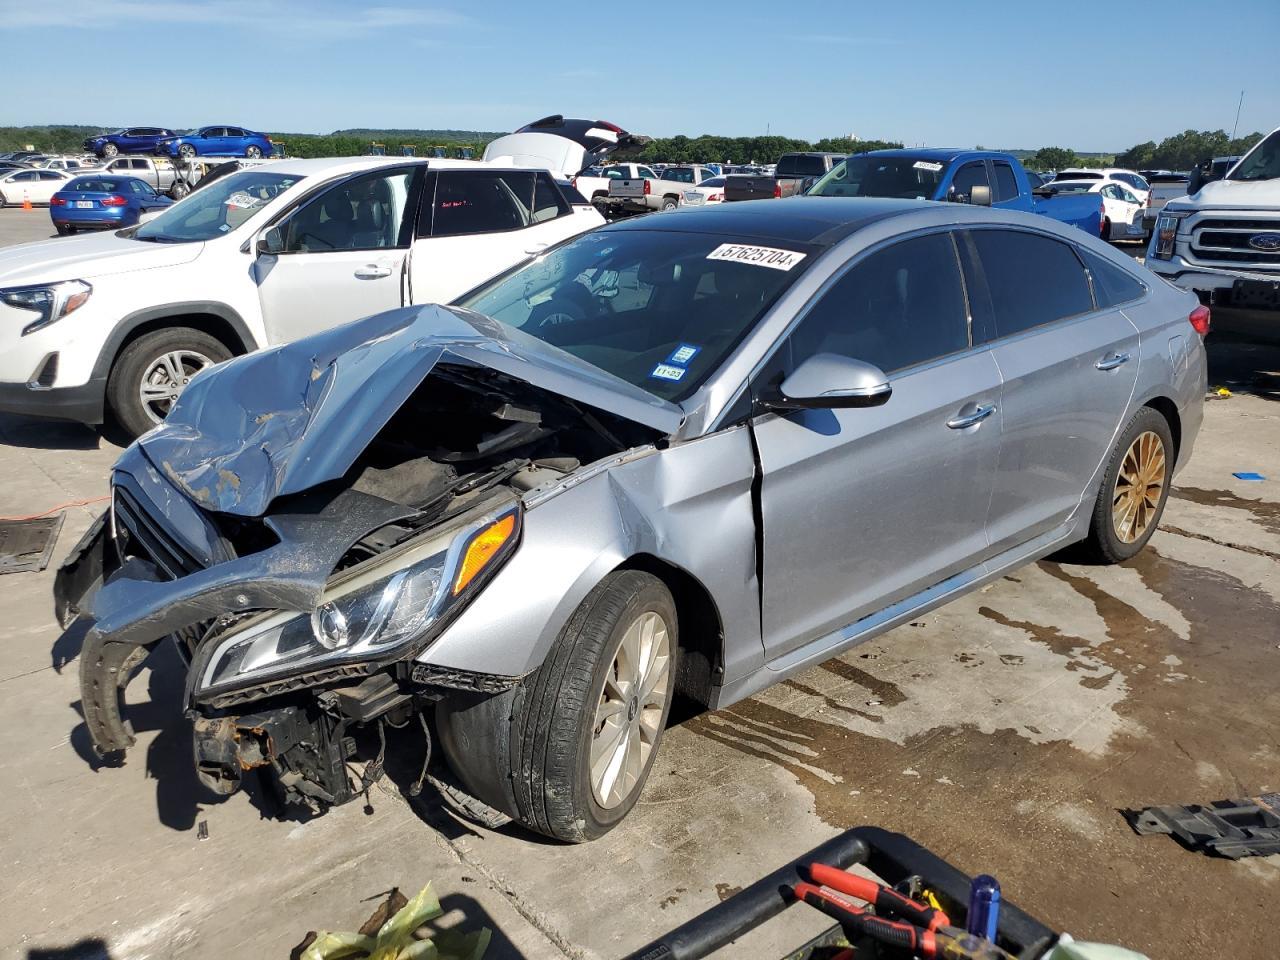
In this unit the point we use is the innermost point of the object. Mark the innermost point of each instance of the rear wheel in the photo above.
(63, 229)
(179, 189)
(1135, 487)
(253, 151)
(567, 752)
(151, 373)
(670, 203)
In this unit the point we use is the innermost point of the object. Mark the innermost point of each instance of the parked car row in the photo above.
(213, 141)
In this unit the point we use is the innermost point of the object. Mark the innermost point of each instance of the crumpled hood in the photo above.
(86, 257)
(282, 420)
(1233, 195)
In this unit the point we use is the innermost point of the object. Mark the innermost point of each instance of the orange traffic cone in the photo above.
(26, 201)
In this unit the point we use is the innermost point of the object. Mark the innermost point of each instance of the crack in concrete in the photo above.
(1242, 547)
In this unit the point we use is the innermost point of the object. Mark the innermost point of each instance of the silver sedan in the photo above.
(672, 461)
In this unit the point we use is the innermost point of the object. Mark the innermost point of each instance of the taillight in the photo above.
(647, 187)
(1200, 320)
(113, 201)
(777, 190)
(574, 183)
(1102, 220)
(715, 198)
(57, 202)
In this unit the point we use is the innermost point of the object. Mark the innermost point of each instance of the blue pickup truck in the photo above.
(958, 176)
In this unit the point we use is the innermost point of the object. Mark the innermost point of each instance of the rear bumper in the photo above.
(83, 404)
(92, 218)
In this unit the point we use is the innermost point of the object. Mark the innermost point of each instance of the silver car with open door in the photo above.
(673, 460)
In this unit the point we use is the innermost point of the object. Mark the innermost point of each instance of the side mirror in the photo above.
(828, 381)
(980, 196)
(271, 241)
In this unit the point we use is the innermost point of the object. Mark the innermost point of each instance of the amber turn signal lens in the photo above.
(482, 548)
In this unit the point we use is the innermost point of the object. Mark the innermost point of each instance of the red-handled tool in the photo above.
(884, 899)
(895, 933)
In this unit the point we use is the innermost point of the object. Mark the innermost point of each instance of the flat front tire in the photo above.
(1135, 488)
(152, 371)
(582, 732)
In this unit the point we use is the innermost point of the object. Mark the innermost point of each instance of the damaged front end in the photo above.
(311, 518)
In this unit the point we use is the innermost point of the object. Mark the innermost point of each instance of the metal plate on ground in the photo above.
(27, 544)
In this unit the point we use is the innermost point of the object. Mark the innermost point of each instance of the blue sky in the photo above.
(1090, 76)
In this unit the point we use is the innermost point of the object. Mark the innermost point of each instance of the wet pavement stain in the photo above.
(1045, 815)
(1266, 512)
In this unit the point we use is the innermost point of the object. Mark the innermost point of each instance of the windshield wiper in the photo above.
(162, 238)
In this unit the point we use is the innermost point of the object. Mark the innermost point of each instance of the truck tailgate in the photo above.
(741, 186)
(627, 189)
(1083, 210)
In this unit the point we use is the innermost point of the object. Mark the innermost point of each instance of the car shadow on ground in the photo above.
(1243, 363)
(35, 433)
(90, 948)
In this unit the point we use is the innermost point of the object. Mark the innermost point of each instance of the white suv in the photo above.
(118, 323)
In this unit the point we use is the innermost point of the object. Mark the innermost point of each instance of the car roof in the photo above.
(822, 221)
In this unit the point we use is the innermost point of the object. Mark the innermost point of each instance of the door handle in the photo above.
(372, 271)
(1112, 360)
(980, 413)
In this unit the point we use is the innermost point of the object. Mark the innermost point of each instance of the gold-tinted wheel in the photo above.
(1139, 487)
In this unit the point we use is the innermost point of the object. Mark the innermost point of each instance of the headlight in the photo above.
(1166, 234)
(370, 614)
(52, 301)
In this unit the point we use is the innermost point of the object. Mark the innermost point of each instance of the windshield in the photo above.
(866, 175)
(660, 310)
(1262, 162)
(217, 209)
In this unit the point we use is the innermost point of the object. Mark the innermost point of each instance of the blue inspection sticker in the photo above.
(666, 371)
(683, 354)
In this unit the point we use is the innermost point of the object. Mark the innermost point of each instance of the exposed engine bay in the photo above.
(375, 563)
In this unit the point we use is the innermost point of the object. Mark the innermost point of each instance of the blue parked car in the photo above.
(95, 201)
(216, 142)
(127, 140)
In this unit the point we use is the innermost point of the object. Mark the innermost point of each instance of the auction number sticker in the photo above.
(927, 165)
(770, 257)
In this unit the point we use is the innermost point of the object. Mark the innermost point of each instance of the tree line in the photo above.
(1184, 150)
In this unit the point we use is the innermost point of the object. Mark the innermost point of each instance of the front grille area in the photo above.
(148, 539)
(1254, 225)
(1225, 240)
(1235, 240)
(1255, 257)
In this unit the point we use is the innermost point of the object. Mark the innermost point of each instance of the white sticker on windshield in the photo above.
(927, 165)
(665, 371)
(770, 257)
(243, 201)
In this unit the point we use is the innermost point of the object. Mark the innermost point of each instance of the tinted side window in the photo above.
(1031, 279)
(969, 176)
(234, 132)
(1006, 182)
(1112, 285)
(899, 306)
(481, 202)
(547, 202)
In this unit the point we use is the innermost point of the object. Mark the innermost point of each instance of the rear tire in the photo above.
(253, 151)
(528, 751)
(179, 190)
(142, 360)
(670, 203)
(63, 229)
(1135, 487)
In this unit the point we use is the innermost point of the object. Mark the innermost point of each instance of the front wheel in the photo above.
(567, 752)
(1135, 487)
(253, 151)
(186, 151)
(110, 150)
(150, 374)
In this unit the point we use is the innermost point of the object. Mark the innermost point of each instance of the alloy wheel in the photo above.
(1139, 487)
(630, 709)
(165, 378)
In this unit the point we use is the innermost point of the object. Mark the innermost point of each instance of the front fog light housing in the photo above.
(369, 613)
(51, 301)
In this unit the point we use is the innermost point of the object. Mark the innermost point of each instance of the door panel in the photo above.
(344, 258)
(864, 507)
(1066, 380)
(475, 226)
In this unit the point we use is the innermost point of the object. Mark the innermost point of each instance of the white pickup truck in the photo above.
(1223, 242)
(664, 192)
(596, 188)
